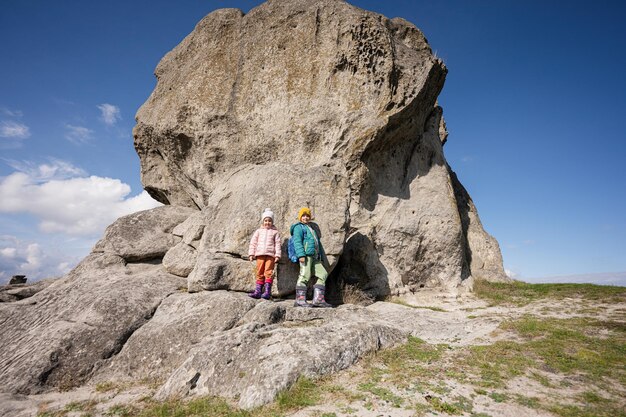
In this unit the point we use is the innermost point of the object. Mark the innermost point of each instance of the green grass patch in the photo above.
(338, 393)
(303, 393)
(382, 393)
(569, 345)
(414, 349)
(521, 293)
(496, 363)
(463, 403)
(563, 346)
(528, 402)
(443, 407)
(122, 411)
(408, 362)
(498, 397)
(609, 409)
(206, 406)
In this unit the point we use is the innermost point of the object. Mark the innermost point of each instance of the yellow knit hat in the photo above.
(303, 211)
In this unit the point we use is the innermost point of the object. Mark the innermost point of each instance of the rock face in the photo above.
(63, 333)
(314, 103)
(298, 103)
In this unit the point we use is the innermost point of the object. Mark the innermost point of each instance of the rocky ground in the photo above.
(507, 350)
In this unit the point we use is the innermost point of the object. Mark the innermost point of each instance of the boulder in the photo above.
(254, 362)
(317, 104)
(144, 235)
(14, 292)
(180, 260)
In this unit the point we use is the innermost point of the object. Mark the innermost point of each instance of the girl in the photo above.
(265, 248)
(306, 242)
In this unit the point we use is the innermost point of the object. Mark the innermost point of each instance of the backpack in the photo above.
(291, 248)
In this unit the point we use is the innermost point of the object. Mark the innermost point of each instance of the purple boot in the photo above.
(267, 291)
(257, 291)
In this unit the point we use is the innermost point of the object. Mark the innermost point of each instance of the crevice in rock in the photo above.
(463, 201)
(155, 260)
(54, 364)
(191, 384)
(232, 254)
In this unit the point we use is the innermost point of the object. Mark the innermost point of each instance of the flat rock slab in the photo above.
(255, 362)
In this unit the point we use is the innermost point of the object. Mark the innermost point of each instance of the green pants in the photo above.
(310, 267)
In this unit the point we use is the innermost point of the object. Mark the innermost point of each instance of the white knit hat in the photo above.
(267, 213)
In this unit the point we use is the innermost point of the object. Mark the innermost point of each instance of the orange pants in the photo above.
(264, 269)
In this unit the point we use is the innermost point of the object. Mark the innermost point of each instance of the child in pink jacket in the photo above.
(265, 248)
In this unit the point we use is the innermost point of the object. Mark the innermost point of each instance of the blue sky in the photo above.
(535, 102)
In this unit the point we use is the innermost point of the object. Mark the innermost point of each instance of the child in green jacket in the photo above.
(306, 240)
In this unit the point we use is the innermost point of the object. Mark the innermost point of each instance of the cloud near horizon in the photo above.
(31, 259)
(110, 114)
(66, 201)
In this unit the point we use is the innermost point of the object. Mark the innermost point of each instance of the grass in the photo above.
(569, 346)
(443, 407)
(521, 293)
(382, 393)
(305, 392)
(589, 352)
(302, 394)
(207, 406)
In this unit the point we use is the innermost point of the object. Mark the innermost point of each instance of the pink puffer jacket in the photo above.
(265, 242)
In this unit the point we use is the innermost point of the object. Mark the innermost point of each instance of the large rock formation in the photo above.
(313, 103)
(297, 103)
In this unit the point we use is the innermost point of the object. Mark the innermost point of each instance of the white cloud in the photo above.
(78, 134)
(8, 253)
(14, 130)
(75, 206)
(32, 259)
(110, 113)
(56, 169)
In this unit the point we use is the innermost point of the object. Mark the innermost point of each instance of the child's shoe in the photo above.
(301, 298)
(267, 291)
(257, 291)
(318, 297)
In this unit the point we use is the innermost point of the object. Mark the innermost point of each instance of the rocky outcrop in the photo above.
(15, 292)
(253, 363)
(62, 334)
(311, 103)
(298, 103)
(144, 235)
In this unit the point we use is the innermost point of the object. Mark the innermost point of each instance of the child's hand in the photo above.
(251, 258)
(276, 259)
(301, 260)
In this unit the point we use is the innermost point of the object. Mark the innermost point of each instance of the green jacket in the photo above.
(305, 242)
